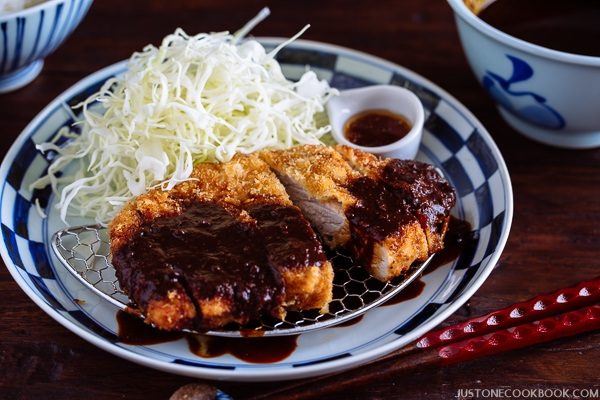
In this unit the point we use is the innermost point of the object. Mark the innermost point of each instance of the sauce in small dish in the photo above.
(386, 120)
(374, 128)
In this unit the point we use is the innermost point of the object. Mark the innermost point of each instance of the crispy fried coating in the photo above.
(407, 184)
(318, 179)
(242, 183)
(247, 181)
(316, 182)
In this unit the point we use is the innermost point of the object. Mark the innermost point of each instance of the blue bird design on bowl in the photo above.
(525, 104)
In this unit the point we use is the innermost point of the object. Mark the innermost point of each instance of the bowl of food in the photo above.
(540, 62)
(30, 30)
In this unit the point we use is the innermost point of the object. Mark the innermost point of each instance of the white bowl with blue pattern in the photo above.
(453, 139)
(28, 36)
(547, 95)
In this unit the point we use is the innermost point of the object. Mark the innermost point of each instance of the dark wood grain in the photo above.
(555, 239)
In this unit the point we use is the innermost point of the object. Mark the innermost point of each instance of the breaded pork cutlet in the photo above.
(291, 244)
(428, 193)
(230, 246)
(350, 209)
(233, 242)
(157, 291)
(192, 263)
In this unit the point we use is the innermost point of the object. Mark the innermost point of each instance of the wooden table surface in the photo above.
(555, 238)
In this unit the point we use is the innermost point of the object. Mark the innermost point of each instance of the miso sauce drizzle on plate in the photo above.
(408, 293)
(133, 330)
(374, 128)
(255, 350)
(459, 237)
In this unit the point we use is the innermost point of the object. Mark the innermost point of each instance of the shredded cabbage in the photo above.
(194, 99)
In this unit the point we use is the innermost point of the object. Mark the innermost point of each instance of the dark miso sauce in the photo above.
(413, 290)
(407, 192)
(204, 252)
(373, 128)
(378, 214)
(133, 330)
(572, 26)
(459, 237)
(259, 350)
(288, 238)
(252, 348)
(430, 195)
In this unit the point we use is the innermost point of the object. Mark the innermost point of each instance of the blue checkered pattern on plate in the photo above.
(452, 140)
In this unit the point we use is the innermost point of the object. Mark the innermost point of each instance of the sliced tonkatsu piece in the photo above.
(226, 271)
(159, 292)
(232, 239)
(385, 233)
(350, 209)
(316, 177)
(430, 195)
(199, 263)
(292, 246)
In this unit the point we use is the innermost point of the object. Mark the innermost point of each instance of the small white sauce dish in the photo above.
(395, 99)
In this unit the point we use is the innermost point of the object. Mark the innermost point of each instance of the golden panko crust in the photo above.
(243, 182)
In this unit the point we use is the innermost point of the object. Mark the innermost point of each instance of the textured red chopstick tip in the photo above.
(494, 320)
(570, 319)
(517, 312)
(539, 305)
(449, 334)
(593, 313)
(497, 339)
(545, 326)
(471, 327)
(562, 298)
(521, 332)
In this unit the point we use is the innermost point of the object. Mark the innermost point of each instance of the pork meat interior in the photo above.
(236, 242)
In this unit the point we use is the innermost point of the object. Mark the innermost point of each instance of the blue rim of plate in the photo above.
(453, 139)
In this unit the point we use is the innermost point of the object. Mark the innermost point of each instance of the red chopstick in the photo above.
(566, 312)
(571, 298)
(571, 323)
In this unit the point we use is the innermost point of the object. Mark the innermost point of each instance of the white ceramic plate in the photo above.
(454, 140)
